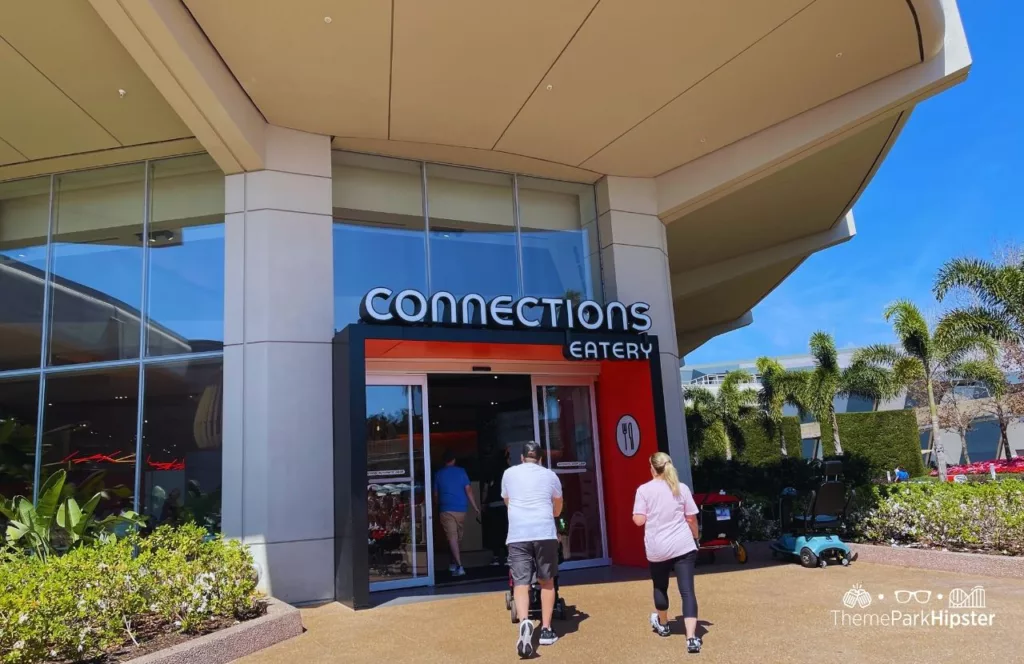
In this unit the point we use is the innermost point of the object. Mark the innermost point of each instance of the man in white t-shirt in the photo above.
(534, 498)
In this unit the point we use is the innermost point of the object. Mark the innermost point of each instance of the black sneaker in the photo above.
(659, 629)
(547, 636)
(693, 645)
(524, 646)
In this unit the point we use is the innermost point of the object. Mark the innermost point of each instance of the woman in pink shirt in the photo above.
(666, 510)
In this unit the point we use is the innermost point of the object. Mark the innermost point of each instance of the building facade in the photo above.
(262, 264)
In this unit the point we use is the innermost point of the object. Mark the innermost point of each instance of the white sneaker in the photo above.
(459, 572)
(524, 645)
(452, 568)
(659, 629)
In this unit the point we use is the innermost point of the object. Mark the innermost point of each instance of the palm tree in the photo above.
(725, 408)
(999, 294)
(778, 388)
(828, 380)
(920, 355)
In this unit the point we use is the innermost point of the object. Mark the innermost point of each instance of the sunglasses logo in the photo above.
(920, 596)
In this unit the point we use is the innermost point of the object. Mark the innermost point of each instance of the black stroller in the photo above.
(561, 611)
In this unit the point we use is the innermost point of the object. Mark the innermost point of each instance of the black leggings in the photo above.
(683, 567)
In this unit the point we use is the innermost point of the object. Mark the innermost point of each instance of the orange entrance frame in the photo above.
(622, 388)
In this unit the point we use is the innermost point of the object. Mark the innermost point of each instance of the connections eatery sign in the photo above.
(410, 307)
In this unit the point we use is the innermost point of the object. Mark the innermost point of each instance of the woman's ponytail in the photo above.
(662, 465)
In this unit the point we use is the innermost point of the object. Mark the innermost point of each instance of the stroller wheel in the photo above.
(807, 558)
(741, 553)
(512, 613)
(845, 561)
(508, 600)
(560, 611)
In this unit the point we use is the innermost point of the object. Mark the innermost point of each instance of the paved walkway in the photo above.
(769, 613)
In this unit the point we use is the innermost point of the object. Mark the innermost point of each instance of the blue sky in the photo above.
(945, 190)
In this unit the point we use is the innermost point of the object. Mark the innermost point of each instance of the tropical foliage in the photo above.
(996, 291)
(723, 410)
(920, 355)
(779, 387)
(828, 381)
(58, 522)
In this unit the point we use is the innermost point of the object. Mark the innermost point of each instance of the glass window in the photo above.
(379, 230)
(89, 430)
(24, 216)
(19, 402)
(97, 265)
(558, 221)
(186, 257)
(181, 443)
(472, 232)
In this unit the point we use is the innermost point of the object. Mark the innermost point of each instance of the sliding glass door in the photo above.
(565, 423)
(398, 493)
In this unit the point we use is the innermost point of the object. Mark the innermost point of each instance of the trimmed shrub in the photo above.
(986, 516)
(885, 439)
(94, 598)
(758, 449)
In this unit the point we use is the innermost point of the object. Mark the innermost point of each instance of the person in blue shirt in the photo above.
(453, 494)
(902, 475)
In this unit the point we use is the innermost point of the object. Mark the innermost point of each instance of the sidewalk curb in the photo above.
(281, 622)
(1010, 567)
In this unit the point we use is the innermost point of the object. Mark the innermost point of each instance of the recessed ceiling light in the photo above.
(550, 86)
(839, 54)
(327, 19)
(703, 140)
(121, 93)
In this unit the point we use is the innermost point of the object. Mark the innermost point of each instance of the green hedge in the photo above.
(753, 447)
(885, 439)
(758, 449)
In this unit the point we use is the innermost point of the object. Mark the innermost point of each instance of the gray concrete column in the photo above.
(634, 261)
(279, 322)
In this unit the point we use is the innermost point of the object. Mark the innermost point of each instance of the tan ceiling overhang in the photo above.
(727, 256)
(622, 87)
(69, 87)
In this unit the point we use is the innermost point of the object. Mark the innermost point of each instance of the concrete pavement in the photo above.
(762, 613)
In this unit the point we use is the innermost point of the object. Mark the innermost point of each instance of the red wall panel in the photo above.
(624, 388)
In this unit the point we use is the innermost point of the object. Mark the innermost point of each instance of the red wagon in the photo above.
(719, 520)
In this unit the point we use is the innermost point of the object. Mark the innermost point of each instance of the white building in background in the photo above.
(982, 440)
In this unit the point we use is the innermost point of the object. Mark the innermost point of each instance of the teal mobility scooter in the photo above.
(813, 536)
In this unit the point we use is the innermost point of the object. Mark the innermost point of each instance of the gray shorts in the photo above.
(525, 558)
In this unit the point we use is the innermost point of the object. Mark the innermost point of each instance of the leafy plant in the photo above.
(778, 388)
(920, 355)
(976, 515)
(828, 380)
(723, 410)
(77, 606)
(57, 522)
(997, 291)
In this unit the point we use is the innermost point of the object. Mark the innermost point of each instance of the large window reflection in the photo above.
(19, 402)
(379, 237)
(24, 216)
(89, 431)
(181, 443)
(186, 257)
(97, 265)
(472, 232)
(558, 222)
